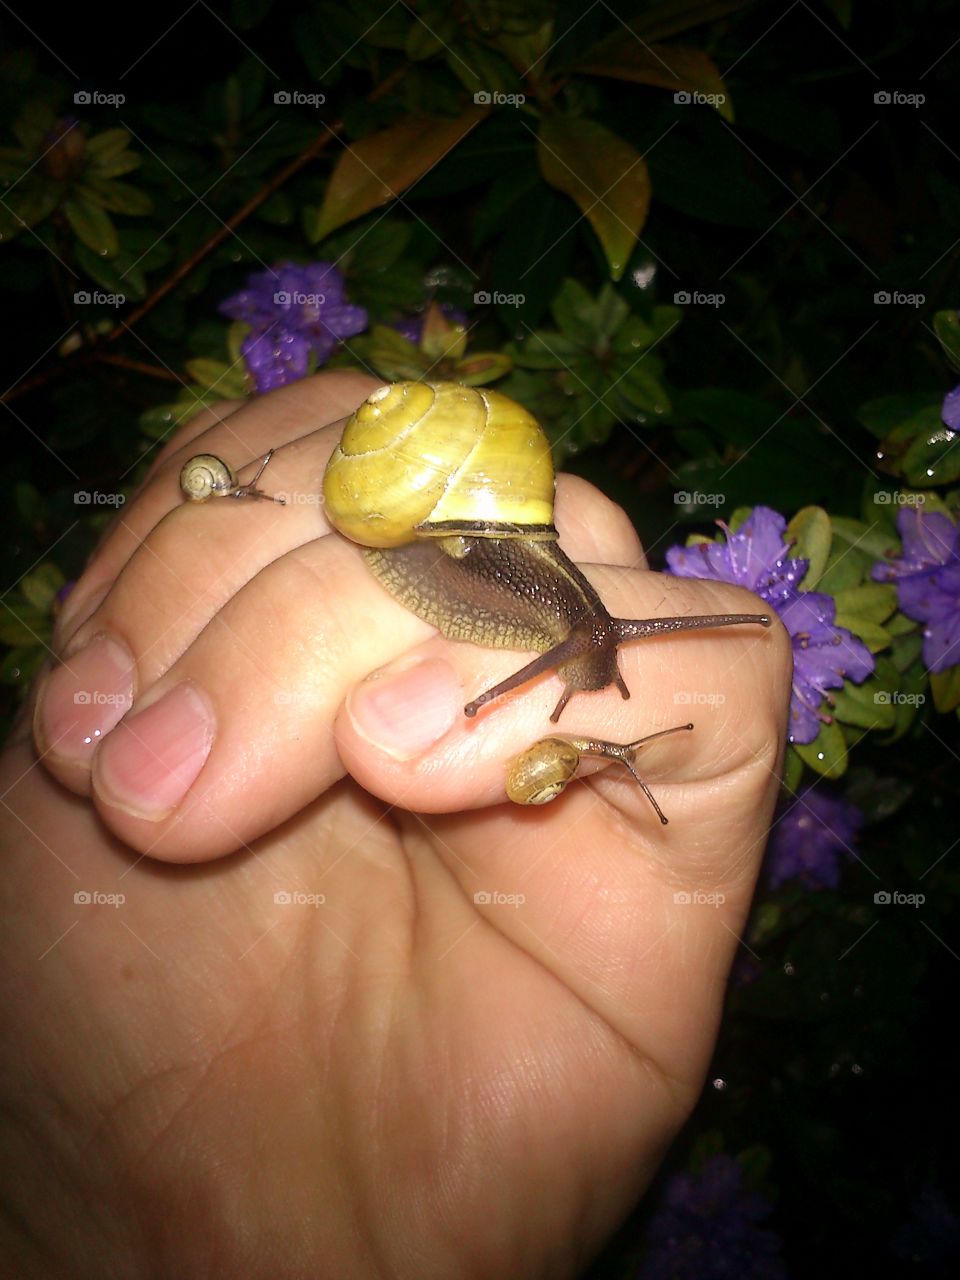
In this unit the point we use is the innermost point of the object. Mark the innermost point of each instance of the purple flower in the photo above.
(705, 1228)
(950, 413)
(294, 312)
(927, 575)
(411, 327)
(815, 831)
(757, 557)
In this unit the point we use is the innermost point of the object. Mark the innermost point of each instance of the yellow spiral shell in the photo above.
(206, 476)
(431, 459)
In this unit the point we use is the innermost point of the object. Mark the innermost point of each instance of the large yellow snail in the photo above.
(449, 491)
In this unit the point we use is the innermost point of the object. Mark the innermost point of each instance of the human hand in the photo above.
(206, 1079)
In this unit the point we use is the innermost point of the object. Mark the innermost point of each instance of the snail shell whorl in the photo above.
(206, 476)
(540, 773)
(420, 454)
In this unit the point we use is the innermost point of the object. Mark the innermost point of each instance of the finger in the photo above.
(268, 690)
(191, 563)
(241, 437)
(731, 683)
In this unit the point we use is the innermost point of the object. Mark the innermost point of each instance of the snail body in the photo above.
(449, 490)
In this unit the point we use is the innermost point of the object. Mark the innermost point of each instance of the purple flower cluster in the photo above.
(756, 556)
(810, 838)
(706, 1229)
(294, 312)
(927, 575)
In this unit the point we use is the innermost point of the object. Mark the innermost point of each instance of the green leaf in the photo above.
(481, 70)
(118, 197)
(667, 66)
(30, 204)
(811, 534)
(882, 415)
(792, 770)
(376, 169)
(483, 367)
(394, 356)
(873, 601)
(868, 705)
(946, 325)
(92, 227)
(606, 177)
(23, 624)
(107, 145)
(945, 687)
(122, 274)
(933, 458)
(228, 381)
(873, 635)
(670, 17)
(575, 312)
(41, 586)
(827, 754)
(872, 539)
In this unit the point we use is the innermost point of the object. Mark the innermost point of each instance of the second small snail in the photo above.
(449, 491)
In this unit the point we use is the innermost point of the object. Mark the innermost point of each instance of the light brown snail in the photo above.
(539, 774)
(206, 476)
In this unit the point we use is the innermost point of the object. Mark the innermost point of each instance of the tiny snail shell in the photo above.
(206, 476)
(540, 773)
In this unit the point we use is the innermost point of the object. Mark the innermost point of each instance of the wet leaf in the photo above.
(605, 176)
(92, 227)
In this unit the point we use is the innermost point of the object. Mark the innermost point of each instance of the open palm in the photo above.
(383, 1023)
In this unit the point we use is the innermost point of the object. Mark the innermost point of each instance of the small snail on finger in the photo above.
(449, 490)
(207, 476)
(539, 774)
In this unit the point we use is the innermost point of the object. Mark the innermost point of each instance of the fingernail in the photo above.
(83, 698)
(149, 764)
(404, 709)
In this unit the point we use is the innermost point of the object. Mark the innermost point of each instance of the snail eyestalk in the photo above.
(250, 489)
(539, 774)
(207, 476)
(587, 657)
